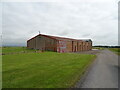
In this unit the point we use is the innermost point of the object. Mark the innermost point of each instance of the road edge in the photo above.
(79, 83)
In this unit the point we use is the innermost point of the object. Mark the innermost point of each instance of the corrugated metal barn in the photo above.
(58, 44)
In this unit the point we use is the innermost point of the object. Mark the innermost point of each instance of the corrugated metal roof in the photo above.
(61, 38)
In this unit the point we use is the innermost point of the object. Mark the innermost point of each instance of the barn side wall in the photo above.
(69, 46)
(77, 46)
(62, 46)
(80, 46)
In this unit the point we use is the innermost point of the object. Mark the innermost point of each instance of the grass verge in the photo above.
(43, 70)
(116, 50)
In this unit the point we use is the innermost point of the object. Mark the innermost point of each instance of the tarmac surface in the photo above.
(103, 73)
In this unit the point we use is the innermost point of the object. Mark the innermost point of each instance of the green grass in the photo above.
(7, 50)
(43, 70)
(116, 50)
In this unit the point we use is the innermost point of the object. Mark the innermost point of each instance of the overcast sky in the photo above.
(96, 20)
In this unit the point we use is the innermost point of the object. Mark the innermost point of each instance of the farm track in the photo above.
(103, 73)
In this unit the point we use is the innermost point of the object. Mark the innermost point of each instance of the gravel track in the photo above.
(103, 73)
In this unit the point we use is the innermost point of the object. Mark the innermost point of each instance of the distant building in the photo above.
(58, 44)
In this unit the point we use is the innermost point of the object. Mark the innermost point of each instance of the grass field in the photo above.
(116, 50)
(43, 70)
(8, 50)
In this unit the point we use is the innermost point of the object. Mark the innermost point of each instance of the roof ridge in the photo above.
(58, 37)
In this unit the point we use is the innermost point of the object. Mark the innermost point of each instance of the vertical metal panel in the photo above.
(46, 43)
(61, 47)
(68, 46)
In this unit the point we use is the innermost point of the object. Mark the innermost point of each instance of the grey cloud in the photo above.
(86, 35)
(94, 20)
(64, 33)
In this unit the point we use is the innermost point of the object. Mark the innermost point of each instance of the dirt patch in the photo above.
(93, 52)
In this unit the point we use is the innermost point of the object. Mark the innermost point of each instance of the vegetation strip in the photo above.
(44, 70)
(116, 50)
(16, 50)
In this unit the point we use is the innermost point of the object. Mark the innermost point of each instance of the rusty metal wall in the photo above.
(69, 46)
(42, 43)
(62, 46)
(49, 44)
(73, 46)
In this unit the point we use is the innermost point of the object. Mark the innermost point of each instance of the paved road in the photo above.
(103, 73)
